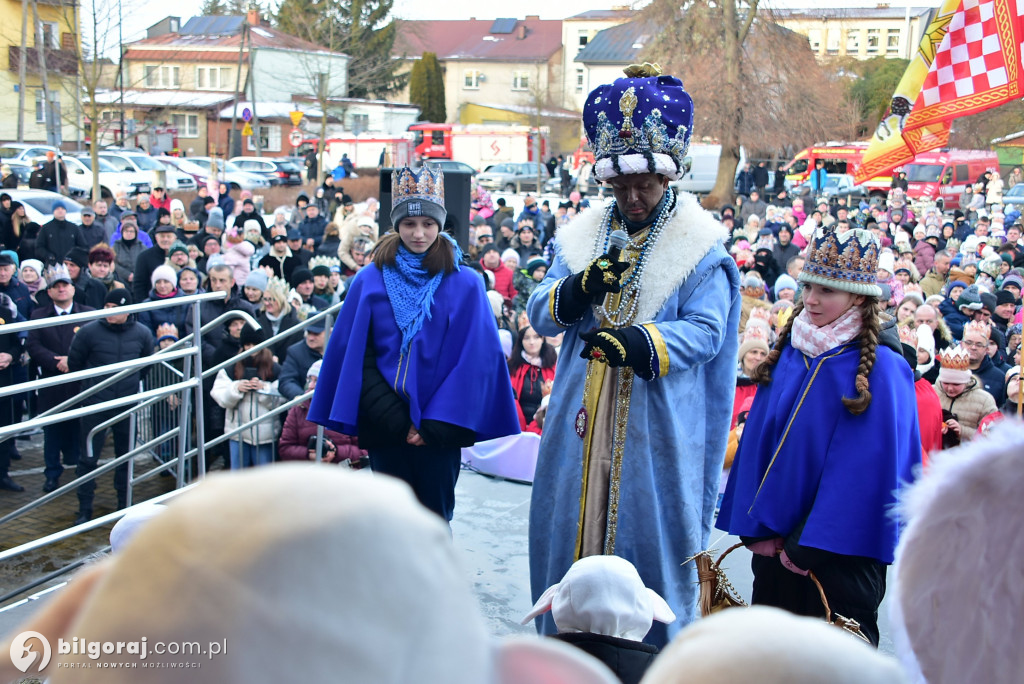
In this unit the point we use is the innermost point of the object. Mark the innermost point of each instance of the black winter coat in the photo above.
(89, 292)
(56, 238)
(101, 343)
(292, 381)
(146, 263)
(44, 345)
(280, 349)
(209, 311)
(628, 659)
(177, 315)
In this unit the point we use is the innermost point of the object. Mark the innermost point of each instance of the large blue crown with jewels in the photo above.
(843, 261)
(424, 183)
(639, 124)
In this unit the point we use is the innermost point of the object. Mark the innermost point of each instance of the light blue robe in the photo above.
(678, 423)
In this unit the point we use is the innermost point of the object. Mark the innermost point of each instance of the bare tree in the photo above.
(754, 83)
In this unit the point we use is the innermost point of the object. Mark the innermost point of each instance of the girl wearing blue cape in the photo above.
(414, 366)
(831, 439)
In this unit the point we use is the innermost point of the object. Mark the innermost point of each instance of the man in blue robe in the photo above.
(639, 414)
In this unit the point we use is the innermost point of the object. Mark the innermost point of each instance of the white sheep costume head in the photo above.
(603, 595)
(958, 587)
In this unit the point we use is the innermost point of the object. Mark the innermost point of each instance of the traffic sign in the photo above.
(247, 129)
(247, 114)
(295, 137)
(296, 117)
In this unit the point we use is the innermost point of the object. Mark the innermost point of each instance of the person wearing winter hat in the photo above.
(788, 491)
(1006, 308)
(510, 258)
(639, 128)
(178, 256)
(302, 282)
(164, 281)
(215, 221)
(964, 401)
(1014, 284)
(968, 308)
(110, 340)
(504, 277)
(431, 324)
(753, 297)
(88, 291)
(785, 287)
(164, 236)
(753, 350)
(101, 267)
(253, 288)
(31, 276)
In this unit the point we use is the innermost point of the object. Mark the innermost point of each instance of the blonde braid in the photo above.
(762, 375)
(870, 329)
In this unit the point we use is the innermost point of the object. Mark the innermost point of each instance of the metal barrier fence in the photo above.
(163, 413)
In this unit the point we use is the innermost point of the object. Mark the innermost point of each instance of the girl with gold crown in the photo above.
(414, 366)
(831, 439)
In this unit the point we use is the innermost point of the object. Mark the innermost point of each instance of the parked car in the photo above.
(447, 165)
(157, 173)
(1015, 195)
(23, 152)
(836, 185)
(23, 170)
(513, 176)
(39, 205)
(112, 181)
(279, 171)
(199, 168)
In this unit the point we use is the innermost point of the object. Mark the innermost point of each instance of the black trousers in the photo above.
(431, 472)
(87, 490)
(854, 587)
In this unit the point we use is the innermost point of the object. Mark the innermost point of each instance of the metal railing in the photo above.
(191, 376)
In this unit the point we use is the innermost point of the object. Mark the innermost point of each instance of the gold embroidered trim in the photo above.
(591, 393)
(625, 391)
(660, 347)
(615, 343)
(789, 425)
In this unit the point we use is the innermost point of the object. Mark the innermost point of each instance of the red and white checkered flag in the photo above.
(977, 67)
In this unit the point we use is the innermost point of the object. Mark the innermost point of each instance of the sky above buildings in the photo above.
(139, 14)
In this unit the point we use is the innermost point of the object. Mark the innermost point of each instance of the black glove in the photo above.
(619, 347)
(589, 286)
(601, 276)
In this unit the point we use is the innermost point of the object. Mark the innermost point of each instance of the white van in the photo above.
(700, 179)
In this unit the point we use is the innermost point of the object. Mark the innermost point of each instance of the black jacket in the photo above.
(209, 311)
(89, 292)
(90, 236)
(282, 267)
(101, 343)
(43, 345)
(252, 216)
(176, 315)
(148, 260)
(299, 358)
(56, 238)
(280, 349)
(628, 659)
(991, 378)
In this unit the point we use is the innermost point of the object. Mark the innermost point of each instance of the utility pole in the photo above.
(21, 70)
(41, 48)
(120, 68)
(232, 134)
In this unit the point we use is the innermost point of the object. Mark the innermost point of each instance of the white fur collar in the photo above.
(686, 239)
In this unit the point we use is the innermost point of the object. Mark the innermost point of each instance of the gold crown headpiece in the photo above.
(954, 358)
(424, 183)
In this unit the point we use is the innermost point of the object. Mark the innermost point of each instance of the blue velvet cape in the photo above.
(804, 456)
(455, 371)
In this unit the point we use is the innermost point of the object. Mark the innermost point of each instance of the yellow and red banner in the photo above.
(969, 60)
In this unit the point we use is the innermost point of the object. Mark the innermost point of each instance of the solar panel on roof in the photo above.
(212, 26)
(507, 25)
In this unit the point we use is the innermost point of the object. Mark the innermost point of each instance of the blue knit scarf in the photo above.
(411, 289)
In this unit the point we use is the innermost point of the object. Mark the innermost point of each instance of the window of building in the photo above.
(584, 38)
(892, 41)
(187, 125)
(853, 42)
(213, 78)
(520, 80)
(270, 138)
(50, 34)
(873, 41)
(579, 80)
(360, 123)
(832, 44)
(163, 76)
(471, 79)
(40, 107)
(814, 38)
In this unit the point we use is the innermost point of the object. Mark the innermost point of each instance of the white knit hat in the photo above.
(769, 646)
(304, 573)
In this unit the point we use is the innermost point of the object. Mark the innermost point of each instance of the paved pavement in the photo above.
(490, 530)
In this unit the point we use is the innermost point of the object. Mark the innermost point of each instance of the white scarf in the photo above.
(532, 360)
(815, 341)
